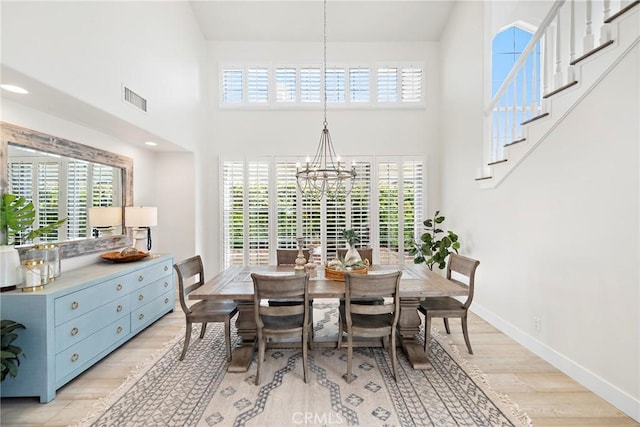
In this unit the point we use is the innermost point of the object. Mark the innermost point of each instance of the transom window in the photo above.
(263, 210)
(381, 86)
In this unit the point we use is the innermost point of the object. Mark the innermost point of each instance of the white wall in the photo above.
(297, 132)
(559, 238)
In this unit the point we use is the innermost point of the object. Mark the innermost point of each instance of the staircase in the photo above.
(516, 128)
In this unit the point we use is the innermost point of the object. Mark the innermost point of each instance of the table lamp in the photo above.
(140, 219)
(104, 220)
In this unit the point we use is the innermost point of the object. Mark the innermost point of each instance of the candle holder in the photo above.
(300, 260)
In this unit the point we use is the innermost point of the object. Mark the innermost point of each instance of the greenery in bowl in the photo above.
(9, 353)
(351, 236)
(435, 245)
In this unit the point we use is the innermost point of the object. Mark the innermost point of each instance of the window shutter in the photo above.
(233, 212)
(287, 205)
(21, 179)
(388, 212)
(413, 202)
(335, 84)
(310, 84)
(411, 84)
(47, 201)
(232, 85)
(77, 196)
(359, 85)
(360, 204)
(257, 85)
(258, 212)
(285, 84)
(387, 85)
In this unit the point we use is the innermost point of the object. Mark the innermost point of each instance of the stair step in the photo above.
(533, 119)
(560, 89)
(517, 141)
(497, 162)
(592, 52)
(622, 12)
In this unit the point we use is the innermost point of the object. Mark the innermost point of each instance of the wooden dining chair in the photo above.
(283, 321)
(365, 253)
(447, 307)
(191, 271)
(371, 321)
(288, 257)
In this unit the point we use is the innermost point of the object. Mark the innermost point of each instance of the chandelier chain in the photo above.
(325, 62)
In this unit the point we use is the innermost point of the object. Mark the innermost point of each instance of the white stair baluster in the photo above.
(557, 77)
(605, 30)
(588, 31)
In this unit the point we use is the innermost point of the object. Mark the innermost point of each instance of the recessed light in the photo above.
(151, 143)
(14, 89)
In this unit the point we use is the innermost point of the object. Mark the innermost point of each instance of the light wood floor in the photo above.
(548, 396)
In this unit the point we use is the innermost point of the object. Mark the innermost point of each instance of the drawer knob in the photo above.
(74, 305)
(140, 297)
(119, 309)
(141, 316)
(119, 329)
(74, 331)
(75, 357)
(166, 300)
(166, 268)
(119, 287)
(166, 284)
(140, 278)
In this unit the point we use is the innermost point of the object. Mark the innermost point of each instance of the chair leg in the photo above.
(427, 332)
(227, 337)
(305, 368)
(340, 331)
(313, 332)
(187, 337)
(261, 346)
(392, 353)
(203, 329)
(349, 356)
(446, 325)
(465, 332)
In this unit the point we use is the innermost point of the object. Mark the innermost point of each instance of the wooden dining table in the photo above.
(417, 282)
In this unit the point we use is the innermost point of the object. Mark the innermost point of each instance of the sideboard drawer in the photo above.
(149, 312)
(76, 356)
(81, 302)
(152, 273)
(79, 328)
(150, 292)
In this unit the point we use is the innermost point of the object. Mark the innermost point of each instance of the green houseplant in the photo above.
(9, 353)
(435, 245)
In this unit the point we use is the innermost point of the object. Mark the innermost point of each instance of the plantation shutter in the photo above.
(411, 84)
(77, 191)
(47, 198)
(257, 85)
(287, 205)
(388, 213)
(359, 85)
(310, 84)
(21, 174)
(258, 212)
(285, 84)
(232, 85)
(335, 85)
(387, 85)
(233, 212)
(360, 204)
(413, 201)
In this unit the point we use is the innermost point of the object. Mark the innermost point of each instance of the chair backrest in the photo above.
(294, 286)
(288, 256)
(466, 267)
(365, 253)
(372, 285)
(190, 273)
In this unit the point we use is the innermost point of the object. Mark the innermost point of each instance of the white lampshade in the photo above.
(105, 216)
(141, 216)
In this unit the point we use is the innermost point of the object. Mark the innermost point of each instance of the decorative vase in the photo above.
(300, 260)
(352, 256)
(9, 265)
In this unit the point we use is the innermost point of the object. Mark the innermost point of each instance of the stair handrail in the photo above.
(542, 28)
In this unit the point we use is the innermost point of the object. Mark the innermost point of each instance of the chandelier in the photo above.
(325, 174)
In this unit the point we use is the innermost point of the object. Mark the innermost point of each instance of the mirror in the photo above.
(72, 166)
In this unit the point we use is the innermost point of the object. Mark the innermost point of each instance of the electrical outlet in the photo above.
(536, 323)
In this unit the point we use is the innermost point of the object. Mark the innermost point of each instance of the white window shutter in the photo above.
(335, 85)
(233, 212)
(257, 85)
(232, 81)
(359, 85)
(411, 84)
(285, 84)
(310, 84)
(387, 85)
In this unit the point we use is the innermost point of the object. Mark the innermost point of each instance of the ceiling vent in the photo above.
(132, 98)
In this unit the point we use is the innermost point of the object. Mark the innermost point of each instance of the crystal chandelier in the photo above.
(325, 174)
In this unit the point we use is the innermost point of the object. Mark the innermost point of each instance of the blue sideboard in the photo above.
(82, 317)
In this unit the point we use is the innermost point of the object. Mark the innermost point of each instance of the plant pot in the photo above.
(352, 256)
(9, 264)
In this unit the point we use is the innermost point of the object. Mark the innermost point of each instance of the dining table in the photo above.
(417, 282)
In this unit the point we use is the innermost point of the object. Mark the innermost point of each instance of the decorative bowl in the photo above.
(338, 275)
(118, 257)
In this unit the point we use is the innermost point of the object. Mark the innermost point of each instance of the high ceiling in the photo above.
(302, 20)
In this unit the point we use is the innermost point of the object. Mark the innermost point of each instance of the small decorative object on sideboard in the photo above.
(125, 255)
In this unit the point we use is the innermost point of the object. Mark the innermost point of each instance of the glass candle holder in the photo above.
(34, 274)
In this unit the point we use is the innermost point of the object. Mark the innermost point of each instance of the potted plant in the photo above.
(17, 215)
(352, 257)
(435, 245)
(9, 353)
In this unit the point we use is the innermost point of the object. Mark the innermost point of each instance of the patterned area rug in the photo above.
(199, 391)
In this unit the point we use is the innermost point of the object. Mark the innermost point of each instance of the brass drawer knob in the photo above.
(140, 297)
(141, 316)
(119, 308)
(166, 300)
(119, 329)
(74, 305)
(74, 331)
(75, 357)
(166, 268)
(166, 284)
(119, 287)
(140, 278)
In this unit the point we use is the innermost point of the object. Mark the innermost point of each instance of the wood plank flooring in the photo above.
(548, 396)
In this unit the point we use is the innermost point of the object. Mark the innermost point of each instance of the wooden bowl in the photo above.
(118, 257)
(338, 275)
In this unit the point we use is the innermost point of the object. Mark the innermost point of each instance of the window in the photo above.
(285, 84)
(359, 86)
(262, 210)
(387, 85)
(335, 85)
(232, 85)
(257, 85)
(310, 84)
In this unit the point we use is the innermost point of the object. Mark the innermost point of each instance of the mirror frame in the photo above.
(23, 137)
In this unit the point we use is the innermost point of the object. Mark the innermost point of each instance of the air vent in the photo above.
(134, 99)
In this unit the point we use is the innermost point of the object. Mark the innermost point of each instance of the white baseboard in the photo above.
(609, 392)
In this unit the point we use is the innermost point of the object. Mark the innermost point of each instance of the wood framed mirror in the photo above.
(59, 151)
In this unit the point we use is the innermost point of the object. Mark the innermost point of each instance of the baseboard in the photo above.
(609, 392)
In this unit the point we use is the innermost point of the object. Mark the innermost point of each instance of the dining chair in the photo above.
(459, 267)
(371, 321)
(365, 253)
(191, 271)
(288, 257)
(283, 321)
